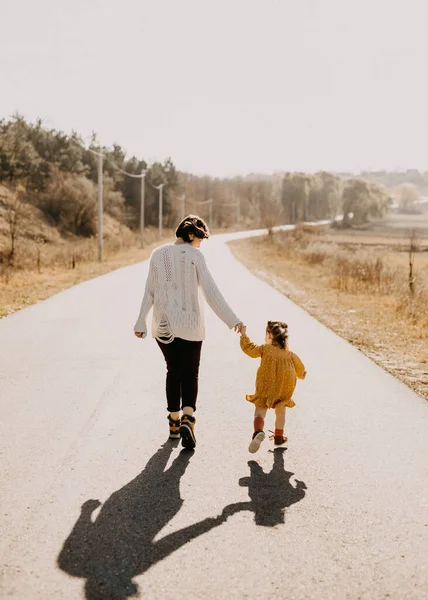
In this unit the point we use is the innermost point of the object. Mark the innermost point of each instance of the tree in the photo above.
(406, 195)
(296, 189)
(363, 200)
(325, 200)
(71, 202)
(19, 160)
(16, 213)
(114, 202)
(160, 173)
(270, 205)
(378, 201)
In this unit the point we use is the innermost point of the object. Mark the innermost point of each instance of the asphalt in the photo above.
(97, 504)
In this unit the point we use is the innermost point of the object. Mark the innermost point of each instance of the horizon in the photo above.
(280, 172)
(228, 89)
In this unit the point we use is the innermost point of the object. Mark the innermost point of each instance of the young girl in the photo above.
(275, 382)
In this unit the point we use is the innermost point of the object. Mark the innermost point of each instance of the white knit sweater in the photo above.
(176, 273)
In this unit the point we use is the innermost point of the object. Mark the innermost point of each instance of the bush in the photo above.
(361, 272)
(414, 308)
(114, 202)
(70, 201)
(316, 253)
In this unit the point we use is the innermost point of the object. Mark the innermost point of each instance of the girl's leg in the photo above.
(280, 417)
(259, 418)
(279, 438)
(259, 434)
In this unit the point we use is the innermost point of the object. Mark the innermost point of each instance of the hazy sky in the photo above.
(227, 86)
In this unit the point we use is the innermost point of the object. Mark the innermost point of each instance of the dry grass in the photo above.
(361, 293)
(44, 270)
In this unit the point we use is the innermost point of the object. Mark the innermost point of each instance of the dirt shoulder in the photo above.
(369, 322)
(21, 288)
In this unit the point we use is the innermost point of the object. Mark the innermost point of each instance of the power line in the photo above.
(101, 156)
(107, 158)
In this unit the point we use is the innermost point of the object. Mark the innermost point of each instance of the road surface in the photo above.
(342, 513)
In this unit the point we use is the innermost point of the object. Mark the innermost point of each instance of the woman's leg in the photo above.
(171, 354)
(190, 356)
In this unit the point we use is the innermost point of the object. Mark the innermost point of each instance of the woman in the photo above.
(176, 273)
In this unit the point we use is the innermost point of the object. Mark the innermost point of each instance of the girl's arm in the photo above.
(213, 296)
(249, 347)
(147, 303)
(299, 366)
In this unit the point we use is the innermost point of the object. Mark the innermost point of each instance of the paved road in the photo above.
(341, 514)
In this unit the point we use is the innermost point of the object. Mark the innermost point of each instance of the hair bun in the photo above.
(192, 225)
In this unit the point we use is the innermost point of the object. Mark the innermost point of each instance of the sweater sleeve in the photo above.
(147, 303)
(249, 347)
(299, 366)
(213, 296)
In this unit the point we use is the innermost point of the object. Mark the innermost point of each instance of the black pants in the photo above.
(182, 359)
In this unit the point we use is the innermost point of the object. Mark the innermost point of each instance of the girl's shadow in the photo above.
(270, 493)
(119, 543)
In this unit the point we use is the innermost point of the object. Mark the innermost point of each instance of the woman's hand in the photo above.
(240, 328)
(139, 334)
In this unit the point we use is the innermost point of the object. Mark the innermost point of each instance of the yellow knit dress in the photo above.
(276, 376)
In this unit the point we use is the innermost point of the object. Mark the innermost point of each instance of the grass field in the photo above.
(63, 265)
(42, 271)
(395, 230)
(357, 283)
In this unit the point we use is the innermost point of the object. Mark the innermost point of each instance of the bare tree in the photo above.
(270, 206)
(406, 195)
(296, 188)
(362, 201)
(413, 247)
(16, 214)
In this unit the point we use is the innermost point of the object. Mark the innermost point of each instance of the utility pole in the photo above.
(210, 206)
(100, 206)
(211, 214)
(183, 206)
(143, 177)
(160, 188)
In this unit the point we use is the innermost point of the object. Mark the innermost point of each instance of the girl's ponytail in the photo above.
(279, 333)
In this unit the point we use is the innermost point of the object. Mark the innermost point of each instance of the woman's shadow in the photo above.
(119, 543)
(270, 493)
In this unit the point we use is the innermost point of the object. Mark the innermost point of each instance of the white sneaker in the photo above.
(258, 438)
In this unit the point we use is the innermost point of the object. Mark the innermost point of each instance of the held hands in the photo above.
(90, 505)
(139, 334)
(240, 328)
